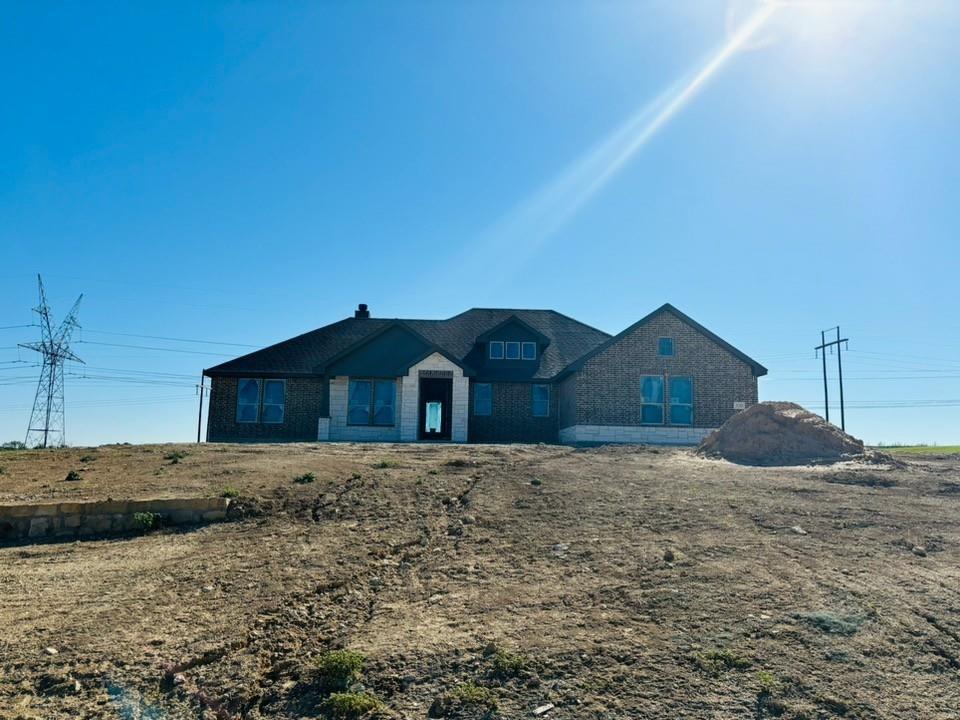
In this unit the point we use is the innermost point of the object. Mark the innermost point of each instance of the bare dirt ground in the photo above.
(631, 583)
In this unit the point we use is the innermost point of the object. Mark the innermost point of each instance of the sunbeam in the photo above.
(533, 222)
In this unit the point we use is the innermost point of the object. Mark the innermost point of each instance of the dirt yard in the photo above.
(489, 581)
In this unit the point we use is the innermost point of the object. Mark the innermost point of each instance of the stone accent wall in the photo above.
(303, 402)
(71, 520)
(641, 434)
(608, 385)
(512, 418)
(340, 430)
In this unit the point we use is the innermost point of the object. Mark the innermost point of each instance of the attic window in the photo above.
(665, 348)
(529, 351)
(496, 349)
(513, 350)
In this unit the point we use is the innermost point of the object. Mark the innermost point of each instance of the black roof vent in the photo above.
(361, 311)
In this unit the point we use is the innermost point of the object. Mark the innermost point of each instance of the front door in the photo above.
(436, 396)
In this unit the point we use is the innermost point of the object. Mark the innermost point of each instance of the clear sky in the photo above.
(243, 172)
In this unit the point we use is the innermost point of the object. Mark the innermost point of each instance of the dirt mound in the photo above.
(780, 433)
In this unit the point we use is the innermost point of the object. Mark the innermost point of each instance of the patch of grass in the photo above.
(767, 682)
(922, 449)
(230, 492)
(146, 521)
(337, 669)
(457, 463)
(473, 694)
(508, 664)
(3, 470)
(176, 456)
(833, 623)
(350, 705)
(384, 464)
(88, 458)
(305, 479)
(718, 661)
(73, 476)
(433, 471)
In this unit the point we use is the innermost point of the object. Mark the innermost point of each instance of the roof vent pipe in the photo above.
(361, 311)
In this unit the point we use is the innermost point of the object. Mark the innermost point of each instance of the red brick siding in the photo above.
(303, 400)
(608, 385)
(512, 418)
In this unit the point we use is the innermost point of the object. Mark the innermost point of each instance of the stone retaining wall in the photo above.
(71, 520)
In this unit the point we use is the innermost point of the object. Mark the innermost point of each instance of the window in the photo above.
(273, 397)
(248, 400)
(681, 401)
(496, 350)
(483, 399)
(651, 399)
(541, 400)
(529, 351)
(513, 350)
(371, 402)
(666, 347)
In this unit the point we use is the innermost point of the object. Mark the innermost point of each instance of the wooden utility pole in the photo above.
(822, 348)
(200, 388)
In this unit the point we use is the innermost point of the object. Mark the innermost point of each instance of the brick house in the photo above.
(485, 375)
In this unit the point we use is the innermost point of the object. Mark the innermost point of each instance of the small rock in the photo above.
(179, 679)
(543, 709)
(468, 519)
(207, 588)
(798, 530)
(668, 556)
(919, 550)
(51, 651)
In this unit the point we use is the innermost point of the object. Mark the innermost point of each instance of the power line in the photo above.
(159, 349)
(171, 339)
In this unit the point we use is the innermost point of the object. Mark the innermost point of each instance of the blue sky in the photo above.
(242, 172)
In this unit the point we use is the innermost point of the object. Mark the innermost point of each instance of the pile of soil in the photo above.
(780, 433)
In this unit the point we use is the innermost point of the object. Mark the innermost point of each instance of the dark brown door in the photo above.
(436, 407)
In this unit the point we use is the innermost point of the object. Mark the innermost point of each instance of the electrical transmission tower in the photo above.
(46, 428)
(822, 350)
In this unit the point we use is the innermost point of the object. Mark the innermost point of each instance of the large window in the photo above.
(681, 401)
(496, 349)
(248, 400)
(513, 350)
(260, 400)
(482, 399)
(371, 402)
(529, 351)
(651, 399)
(541, 400)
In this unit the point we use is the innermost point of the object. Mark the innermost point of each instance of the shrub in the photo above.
(717, 661)
(473, 694)
(767, 681)
(230, 492)
(835, 624)
(458, 463)
(349, 705)
(304, 479)
(508, 664)
(536, 482)
(88, 458)
(13, 445)
(146, 521)
(176, 456)
(384, 464)
(73, 476)
(337, 669)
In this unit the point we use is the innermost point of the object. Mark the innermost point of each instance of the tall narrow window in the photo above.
(358, 402)
(529, 351)
(496, 350)
(273, 401)
(513, 350)
(384, 401)
(681, 401)
(651, 400)
(482, 399)
(665, 347)
(248, 400)
(541, 400)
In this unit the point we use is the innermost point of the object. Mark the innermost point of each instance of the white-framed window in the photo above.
(529, 351)
(274, 392)
(496, 349)
(665, 347)
(651, 400)
(482, 399)
(681, 401)
(541, 401)
(513, 350)
(248, 400)
(371, 402)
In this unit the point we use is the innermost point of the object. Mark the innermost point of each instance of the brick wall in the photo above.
(607, 387)
(303, 400)
(512, 418)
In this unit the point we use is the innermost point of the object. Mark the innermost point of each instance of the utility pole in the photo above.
(822, 349)
(47, 426)
(200, 389)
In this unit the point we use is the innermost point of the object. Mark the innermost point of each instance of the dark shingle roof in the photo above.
(304, 354)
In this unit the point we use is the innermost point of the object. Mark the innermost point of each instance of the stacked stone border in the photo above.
(73, 520)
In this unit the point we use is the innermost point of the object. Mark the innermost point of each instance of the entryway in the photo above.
(436, 405)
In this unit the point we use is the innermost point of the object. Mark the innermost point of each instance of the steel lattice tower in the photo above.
(46, 428)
